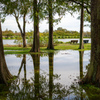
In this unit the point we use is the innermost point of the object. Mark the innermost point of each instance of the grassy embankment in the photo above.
(20, 50)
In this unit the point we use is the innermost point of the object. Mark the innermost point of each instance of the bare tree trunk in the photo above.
(36, 45)
(93, 74)
(50, 43)
(24, 40)
(4, 72)
(23, 32)
(81, 27)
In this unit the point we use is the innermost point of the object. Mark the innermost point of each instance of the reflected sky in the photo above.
(64, 70)
(11, 42)
(66, 64)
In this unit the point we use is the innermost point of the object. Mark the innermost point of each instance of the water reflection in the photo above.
(48, 84)
(23, 64)
(36, 63)
(81, 63)
(39, 86)
(50, 75)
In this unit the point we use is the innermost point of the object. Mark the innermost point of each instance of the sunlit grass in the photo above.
(21, 50)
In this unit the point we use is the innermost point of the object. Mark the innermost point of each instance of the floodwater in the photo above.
(11, 42)
(48, 76)
(68, 40)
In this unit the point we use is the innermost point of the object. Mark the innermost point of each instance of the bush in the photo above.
(43, 41)
(18, 41)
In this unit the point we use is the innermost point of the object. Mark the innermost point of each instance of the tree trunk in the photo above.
(50, 75)
(50, 43)
(24, 40)
(93, 74)
(36, 45)
(23, 33)
(81, 46)
(4, 72)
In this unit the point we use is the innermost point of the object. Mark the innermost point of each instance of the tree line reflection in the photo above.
(41, 87)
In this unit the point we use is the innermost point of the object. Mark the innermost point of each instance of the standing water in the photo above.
(47, 76)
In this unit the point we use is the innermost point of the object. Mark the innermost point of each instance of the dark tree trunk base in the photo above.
(5, 75)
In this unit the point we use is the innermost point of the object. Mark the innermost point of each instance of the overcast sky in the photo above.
(68, 22)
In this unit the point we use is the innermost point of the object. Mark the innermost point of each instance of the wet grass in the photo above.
(4, 90)
(21, 50)
(92, 92)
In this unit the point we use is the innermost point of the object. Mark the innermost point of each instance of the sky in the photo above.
(67, 22)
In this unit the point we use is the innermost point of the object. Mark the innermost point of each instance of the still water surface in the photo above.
(48, 76)
(68, 40)
(11, 42)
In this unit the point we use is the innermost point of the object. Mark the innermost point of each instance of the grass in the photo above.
(92, 91)
(20, 50)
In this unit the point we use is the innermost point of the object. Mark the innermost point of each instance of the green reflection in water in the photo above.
(43, 86)
(39, 86)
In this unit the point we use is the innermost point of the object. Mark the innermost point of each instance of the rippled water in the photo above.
(47, 76)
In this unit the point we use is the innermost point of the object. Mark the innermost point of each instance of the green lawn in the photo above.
(21, 50)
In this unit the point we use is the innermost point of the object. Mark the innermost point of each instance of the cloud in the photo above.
(68, 22)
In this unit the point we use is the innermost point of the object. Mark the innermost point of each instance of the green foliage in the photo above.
(30, 34)
(43, 41)
(18, 41)
(64, 32)
(8, 33)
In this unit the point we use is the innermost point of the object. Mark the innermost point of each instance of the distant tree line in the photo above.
(59, 32)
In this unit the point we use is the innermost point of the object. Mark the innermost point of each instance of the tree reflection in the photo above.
(23, 64)
(38, 86)
(36, 63)
(50, 75)
(43, 86)
(81, 63)
(81, 69)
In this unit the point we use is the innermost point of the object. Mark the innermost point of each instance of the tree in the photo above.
(19, 9)
(50, 9)
(93, 74)
(76, 5)
(54, 7)
(81, 26)
(36, 46)
(4, 72)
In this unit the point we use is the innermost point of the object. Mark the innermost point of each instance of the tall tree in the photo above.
(54, 7)
(84, 5)
(50, 9)
(93, 74)
(4, 72)
(19, 9)
(36, 45)
(81, 26)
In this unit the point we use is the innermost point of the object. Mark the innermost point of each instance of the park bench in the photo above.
(74, 41)
(85, 41)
